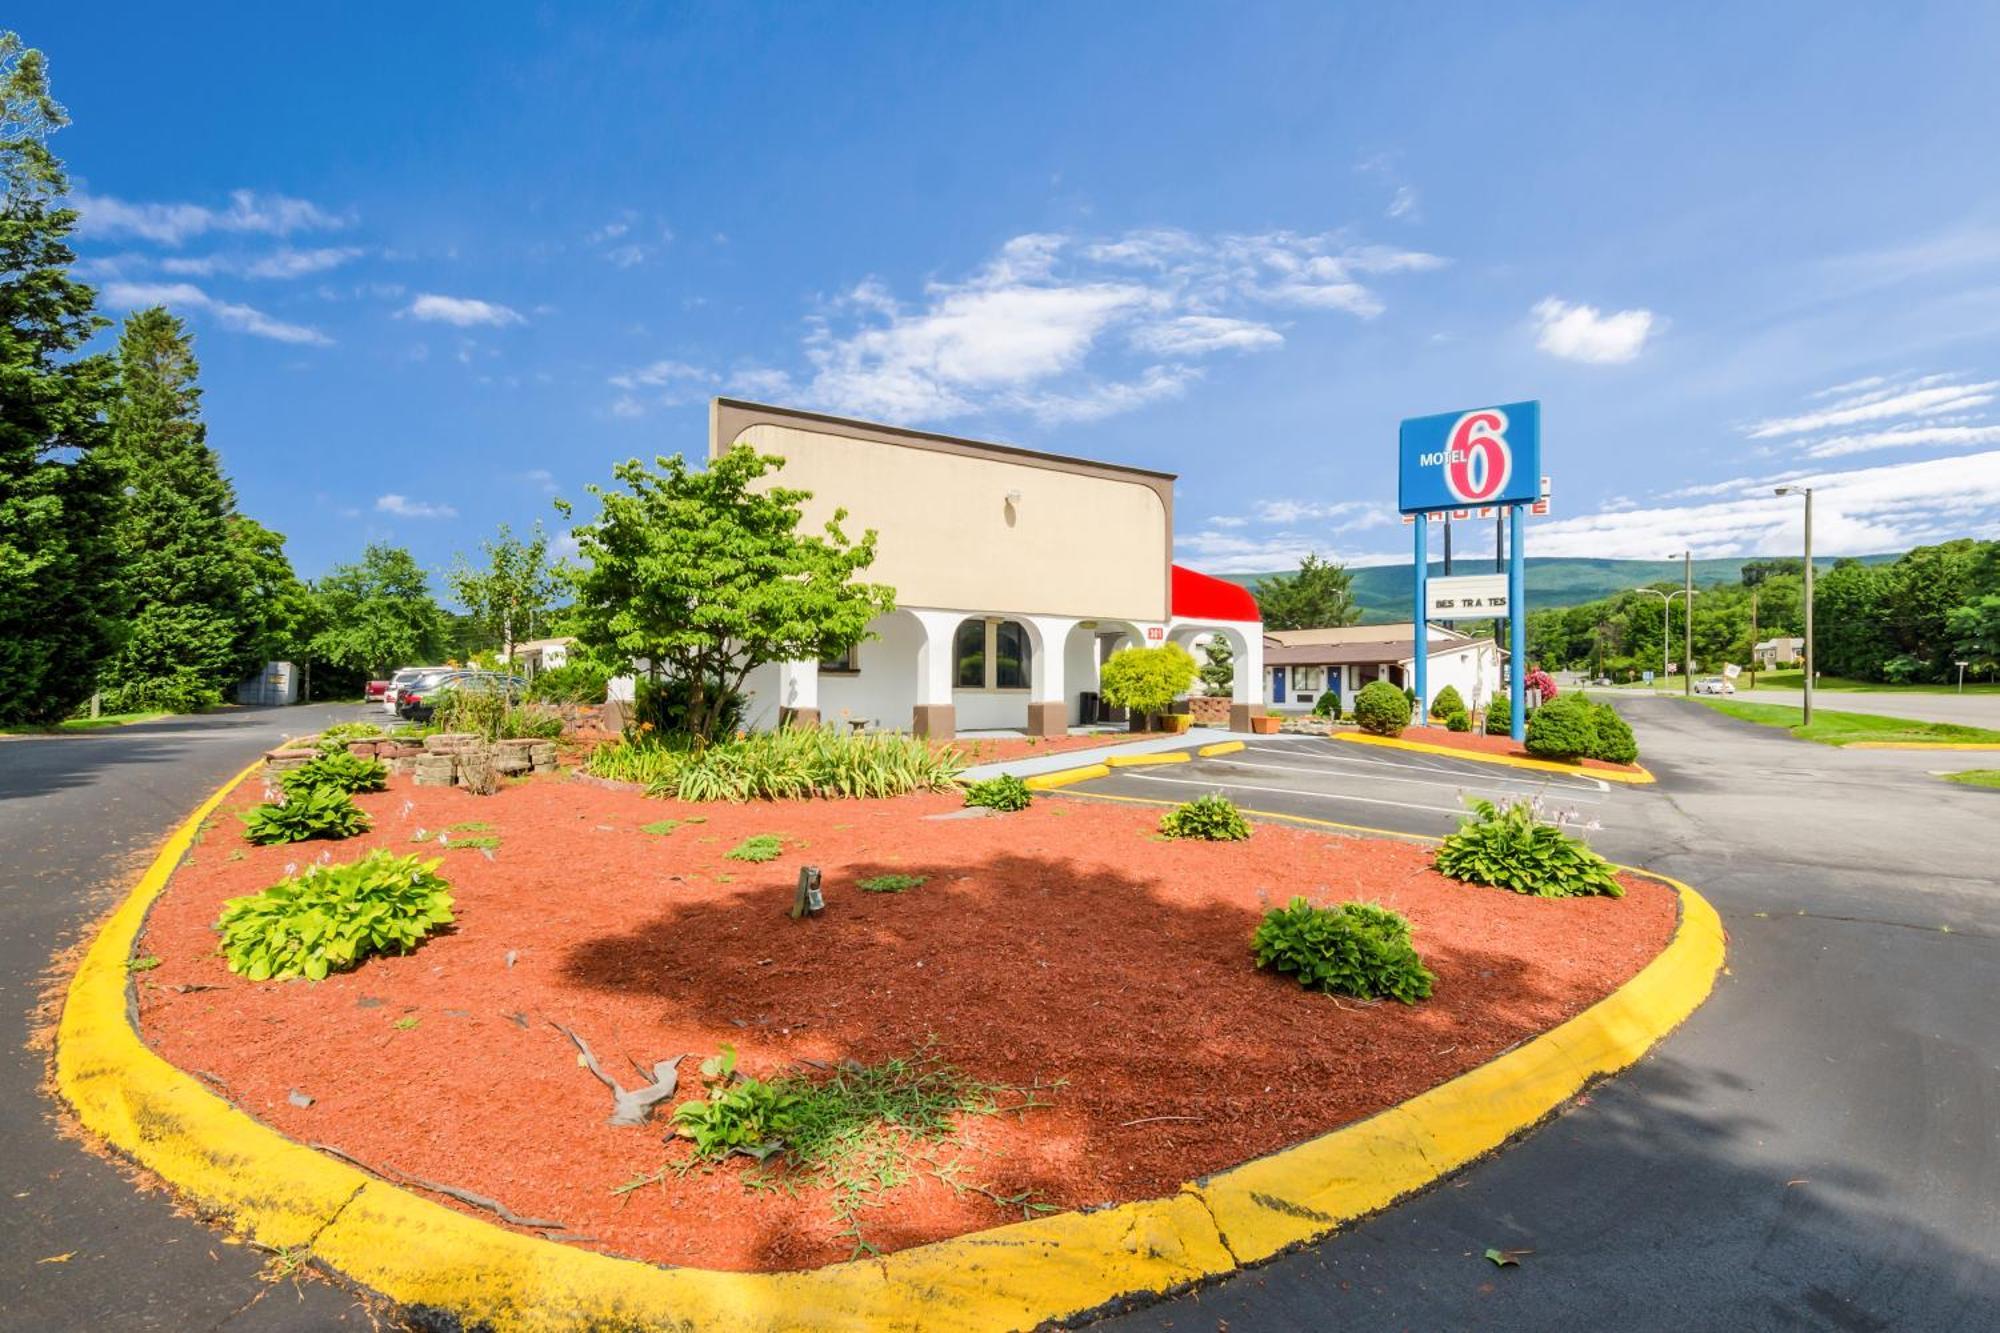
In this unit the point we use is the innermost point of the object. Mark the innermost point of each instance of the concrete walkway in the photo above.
(1028, 766)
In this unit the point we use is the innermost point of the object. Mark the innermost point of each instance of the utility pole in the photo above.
(1807, 492)
(1687, 662)
(1753, 639)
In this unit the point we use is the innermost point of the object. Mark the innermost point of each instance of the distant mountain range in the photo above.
(1384, 592)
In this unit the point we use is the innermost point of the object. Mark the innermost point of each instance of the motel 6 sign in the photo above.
(1487, 456)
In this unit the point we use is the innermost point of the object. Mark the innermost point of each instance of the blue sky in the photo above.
(445, 262)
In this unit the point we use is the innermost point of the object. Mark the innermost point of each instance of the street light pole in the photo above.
(1807, 492)
(1687, 662)
(1666, 622)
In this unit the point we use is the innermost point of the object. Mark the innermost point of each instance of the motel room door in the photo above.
(1277, 685)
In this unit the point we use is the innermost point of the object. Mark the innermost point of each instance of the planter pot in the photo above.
(1175, 722)
(1265, 724)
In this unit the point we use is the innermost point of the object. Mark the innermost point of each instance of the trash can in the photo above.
(1087, 705)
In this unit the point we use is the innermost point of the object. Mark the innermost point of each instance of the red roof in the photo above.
(1201, 597)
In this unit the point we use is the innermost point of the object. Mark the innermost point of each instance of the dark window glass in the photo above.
(1010, 655)
(850, 660)
(969, 647)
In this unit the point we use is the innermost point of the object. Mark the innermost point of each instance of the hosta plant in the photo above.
(339, 770)
(1006, 793)
(1355, 949)
(333, 916)
(739, 1115)
(314, 812)
(1507, 847)
(1210, 818)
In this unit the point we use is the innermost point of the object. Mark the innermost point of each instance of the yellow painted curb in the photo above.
(1511, 761)
(1144, 760)
(1067, 776)
(1220, 747)
(1921, 745)
(283, 1195)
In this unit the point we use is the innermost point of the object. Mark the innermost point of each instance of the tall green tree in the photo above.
(276, 620)
(705, 575)
(377, 615)
(510, 593)
(1321, 594)
(60, 597)
(182, 578)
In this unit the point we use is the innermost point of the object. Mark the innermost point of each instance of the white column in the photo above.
(931, 713)
(1048, 697)
(798, 693)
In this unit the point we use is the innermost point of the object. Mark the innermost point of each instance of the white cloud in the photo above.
(1038, 328)
(541, 479)
(1405, 202)
(284, 263)
(187, 296)
(1857, 512)
(1879, 400)
(1293, 511)
(1902, 437)
(761, 382)
(1191, 335)
(463, 311)
(402, 506)
(1584, 333)
(1229, 521)
(1228, 553)
(173, 223)
(660, 373)
(627, 407)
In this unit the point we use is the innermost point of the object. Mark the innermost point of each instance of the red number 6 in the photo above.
(1477, 459)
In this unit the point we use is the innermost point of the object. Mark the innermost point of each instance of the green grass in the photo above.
(660, 827)
(891, 883)
(83, 724)
(1793, 680)
(1977, 777)
(757, 847)
(1831, 728)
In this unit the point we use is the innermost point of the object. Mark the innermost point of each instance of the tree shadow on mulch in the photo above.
(1025, 968)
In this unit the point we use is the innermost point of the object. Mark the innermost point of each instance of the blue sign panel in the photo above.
(1485, 456)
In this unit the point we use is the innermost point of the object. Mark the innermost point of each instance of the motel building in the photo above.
(1016, 574)
(1300, 665)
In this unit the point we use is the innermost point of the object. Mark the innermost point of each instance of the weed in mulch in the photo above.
(891, 883)
(858, 1134)
(757, 847)
(660, 827)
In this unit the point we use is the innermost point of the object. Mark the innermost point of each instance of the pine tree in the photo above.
(59, 592)
(1218, 673)
(182, 576)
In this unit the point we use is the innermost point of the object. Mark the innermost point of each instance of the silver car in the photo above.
(1713, 685)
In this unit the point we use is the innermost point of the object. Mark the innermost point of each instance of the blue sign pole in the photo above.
(1421, 646)
(1517, 623)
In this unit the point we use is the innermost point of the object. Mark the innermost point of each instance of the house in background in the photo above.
(1300, 665)
(534, 656)
(1773, 653)
(1016, 574)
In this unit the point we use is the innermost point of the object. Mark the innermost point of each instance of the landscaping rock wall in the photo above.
(433, 761)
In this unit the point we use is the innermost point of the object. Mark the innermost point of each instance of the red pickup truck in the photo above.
(378, 690)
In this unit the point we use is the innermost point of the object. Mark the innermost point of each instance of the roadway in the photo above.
(1815, 1148)
(1967, 710)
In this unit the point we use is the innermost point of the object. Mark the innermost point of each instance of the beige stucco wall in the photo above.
(1075, 544)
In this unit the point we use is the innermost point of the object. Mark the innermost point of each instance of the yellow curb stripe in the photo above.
(1220, 747)
(1144, 760)
(1511, 761)
(416, 1251)
(1067, 776)
(1921, 745)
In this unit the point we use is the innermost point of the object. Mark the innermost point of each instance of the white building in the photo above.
(1300, 665)
(1016, 573)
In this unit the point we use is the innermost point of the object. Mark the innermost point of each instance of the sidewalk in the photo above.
(1029, 766)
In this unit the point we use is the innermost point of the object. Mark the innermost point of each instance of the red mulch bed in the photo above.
(1507, 745)
(1065, 942)
(996, 749)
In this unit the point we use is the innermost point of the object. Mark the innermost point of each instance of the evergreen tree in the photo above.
(1218, 673)
(59, 593)
(183, 641)
(1320, 595)
(277, 613)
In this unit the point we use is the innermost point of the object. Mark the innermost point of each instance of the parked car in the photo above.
(1713, 685)
(414, 687)
(418, 700)
(400, 681)
(377, 691)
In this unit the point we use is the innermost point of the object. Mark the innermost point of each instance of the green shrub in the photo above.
(572, 683)
(1458, 721)
(1355, 949)
(1210, 818)
(334, 916)
(1382, 709)
(494, 716)
(891, 883)
(1508, 848)
(1327, 705)
(1500, 716)
(1447, 701)
(337, 735)
(1563, 728)
(314, 812)
(757, 847)
(183, 691)
(740, 1114)
(791, 764)
(1146, 680)
(1615, 742)
(665, 704)
(1006, 792)
(339, 770)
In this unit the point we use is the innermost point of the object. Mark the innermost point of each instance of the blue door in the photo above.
(1277, 685)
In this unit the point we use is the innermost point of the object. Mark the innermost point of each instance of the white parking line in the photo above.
(1458, 782)
(1142, 776)
(1558, 781)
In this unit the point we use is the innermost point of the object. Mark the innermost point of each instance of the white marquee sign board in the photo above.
(1466, 597)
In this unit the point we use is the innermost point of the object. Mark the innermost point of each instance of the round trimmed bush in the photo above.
(1355, 949)
(1500, 716)
(1459, 721)
(1328, 705)
(1383, 709)
(1447, 702)
(1564, 728)
(1615, 742)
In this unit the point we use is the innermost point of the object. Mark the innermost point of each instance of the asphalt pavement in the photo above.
(80, 1246)
(1817, 1148)
(1967, 710)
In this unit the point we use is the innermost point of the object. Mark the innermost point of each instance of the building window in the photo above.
(845, 663)
(992, 655)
